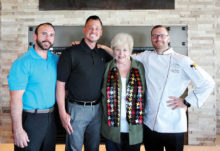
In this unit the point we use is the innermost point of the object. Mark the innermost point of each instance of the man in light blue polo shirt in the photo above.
(32, 82)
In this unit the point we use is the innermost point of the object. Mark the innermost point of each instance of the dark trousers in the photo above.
(41, 131)
(123, 146)
(154, 141)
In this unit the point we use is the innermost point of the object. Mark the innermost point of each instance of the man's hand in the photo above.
(20, 135)
(75, 43)
(65, 119)
(64, 116)
(21, 138)
(175, 103)
(100, 46)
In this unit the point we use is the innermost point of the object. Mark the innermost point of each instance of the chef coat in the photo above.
(169, 75)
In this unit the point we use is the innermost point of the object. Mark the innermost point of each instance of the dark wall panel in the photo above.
(105, 4)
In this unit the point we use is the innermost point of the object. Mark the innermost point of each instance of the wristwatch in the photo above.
(186, 103)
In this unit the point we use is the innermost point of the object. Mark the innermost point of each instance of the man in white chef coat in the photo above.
(167, 77)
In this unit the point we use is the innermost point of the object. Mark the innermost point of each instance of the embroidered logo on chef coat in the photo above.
(175, 68)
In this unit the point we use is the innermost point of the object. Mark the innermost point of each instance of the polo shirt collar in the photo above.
(87, 48)
(35, 55)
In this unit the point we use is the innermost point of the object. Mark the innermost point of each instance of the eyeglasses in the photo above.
(154, 36)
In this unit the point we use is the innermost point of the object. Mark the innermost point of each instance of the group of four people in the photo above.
(130, 99)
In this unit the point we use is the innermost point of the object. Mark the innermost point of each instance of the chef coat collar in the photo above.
(167, 52)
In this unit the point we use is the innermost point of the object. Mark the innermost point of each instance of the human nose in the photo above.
(92, 29)
(47, 36)
(159, 37)
(156, 36)
(50, 37)
(120, 52)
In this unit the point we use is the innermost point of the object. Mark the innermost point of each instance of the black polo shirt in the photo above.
(82, 69)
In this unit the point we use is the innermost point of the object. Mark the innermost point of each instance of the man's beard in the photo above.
(40, 44)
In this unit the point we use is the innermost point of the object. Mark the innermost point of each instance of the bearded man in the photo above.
(32, 83)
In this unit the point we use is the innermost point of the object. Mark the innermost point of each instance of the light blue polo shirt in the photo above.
(37, 77)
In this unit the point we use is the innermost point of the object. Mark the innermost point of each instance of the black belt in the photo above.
(85, 103)
(40, 110)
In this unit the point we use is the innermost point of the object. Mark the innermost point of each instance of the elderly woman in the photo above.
(123, 98)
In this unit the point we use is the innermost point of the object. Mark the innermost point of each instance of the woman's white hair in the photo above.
(122, 40)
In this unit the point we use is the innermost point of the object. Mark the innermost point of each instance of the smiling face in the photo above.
(92, 31)
(160, 39)
(44, 38)
(122, 45)
(122, 54)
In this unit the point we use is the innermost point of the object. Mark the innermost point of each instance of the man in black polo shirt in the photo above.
(81, 67)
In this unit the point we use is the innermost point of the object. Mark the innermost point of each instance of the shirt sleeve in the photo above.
(203, 84)
(140, 56)
(18, 75)
(64, 66)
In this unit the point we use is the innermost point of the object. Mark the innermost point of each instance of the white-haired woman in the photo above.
(123, 98)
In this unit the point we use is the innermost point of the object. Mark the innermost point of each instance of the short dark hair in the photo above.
(159, 26)
(36, 30)
(93, 17)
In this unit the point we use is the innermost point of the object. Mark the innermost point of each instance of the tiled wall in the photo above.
(201, 16)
